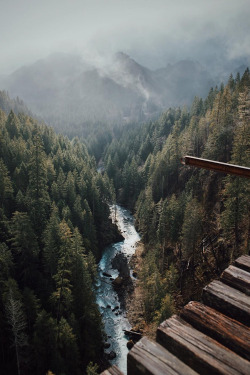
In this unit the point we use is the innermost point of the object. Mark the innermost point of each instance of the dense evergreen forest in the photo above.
(54, 223)
(193, 222)
(54, 220)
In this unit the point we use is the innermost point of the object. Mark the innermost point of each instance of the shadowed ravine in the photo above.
(110, 304)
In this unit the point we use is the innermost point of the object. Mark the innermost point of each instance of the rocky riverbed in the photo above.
(115, 284)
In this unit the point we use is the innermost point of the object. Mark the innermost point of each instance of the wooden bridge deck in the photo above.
(212, 337)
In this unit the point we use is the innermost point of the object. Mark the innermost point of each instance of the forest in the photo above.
(54, 223)
(193, 222)
(54, 220)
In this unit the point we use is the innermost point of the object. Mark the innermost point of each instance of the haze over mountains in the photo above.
(65, 90)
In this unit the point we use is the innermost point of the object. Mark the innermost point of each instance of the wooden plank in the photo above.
(114, 370)
(227, 300)
(217, 166)
(200, 352)
(220, 327)
(132, 333)
(237, 278)
(243, 262)
(149, 358)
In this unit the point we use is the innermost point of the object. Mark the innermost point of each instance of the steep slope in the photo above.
(54, 222)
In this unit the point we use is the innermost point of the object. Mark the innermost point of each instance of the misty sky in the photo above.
(154, 32)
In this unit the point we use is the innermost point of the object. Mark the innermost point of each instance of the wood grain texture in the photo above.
(227, 300)
(114, 370)
(237, 278)
(243, 262)
(220, 327)
(200, 352)
(149, 358)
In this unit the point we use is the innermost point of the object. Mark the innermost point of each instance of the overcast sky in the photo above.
(154, 32)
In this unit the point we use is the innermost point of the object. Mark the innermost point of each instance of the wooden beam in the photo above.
(237, 278)
(149, 358)
(227, 331)
(216, 166)
(243, 262)
(227, 300)
(200, 352)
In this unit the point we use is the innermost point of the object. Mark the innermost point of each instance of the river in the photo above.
(113, 315)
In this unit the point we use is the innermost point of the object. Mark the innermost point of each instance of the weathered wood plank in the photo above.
(220, 327)
(200, 352)
(149, 358)
(132, 333)
(227, 300)
(114, 370)
(237, 278)
(243, 262)
(218, 166)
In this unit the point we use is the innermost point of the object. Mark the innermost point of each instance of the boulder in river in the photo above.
(134, 274)
(106, 274)
(130, 344)
(112, 355)
(120, 263)
(118, 281)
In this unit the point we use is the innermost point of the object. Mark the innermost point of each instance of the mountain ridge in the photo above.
(66, 89)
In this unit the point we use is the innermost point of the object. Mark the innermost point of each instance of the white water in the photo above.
(115, 322)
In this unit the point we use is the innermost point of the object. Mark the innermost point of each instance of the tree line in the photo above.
(54, 223)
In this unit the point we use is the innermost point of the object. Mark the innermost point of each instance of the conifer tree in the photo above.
(44, 342)
(6, 188)
(37, 189)
(6, 262)
(17, 322)
(12, 125)
(25, 248)
(62, 297)
(191, 230)
(237, 189)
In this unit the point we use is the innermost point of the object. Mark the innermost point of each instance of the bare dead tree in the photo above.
(16, 319)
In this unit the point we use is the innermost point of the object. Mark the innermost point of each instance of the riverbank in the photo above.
(134, 300)
(114, 284)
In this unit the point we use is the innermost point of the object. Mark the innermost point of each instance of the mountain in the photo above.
(182, 81)
(66, 90)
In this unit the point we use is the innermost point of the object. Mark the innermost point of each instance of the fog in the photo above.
(153, 32)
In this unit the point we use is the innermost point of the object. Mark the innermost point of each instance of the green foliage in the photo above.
(191, 229)
(53, 206)
(92, 369)
(166, 310)
(197, 219)
(54, 219)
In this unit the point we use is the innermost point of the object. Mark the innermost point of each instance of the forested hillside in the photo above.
(53, 226)
(193, 222)
(54, 220)
(16, 105)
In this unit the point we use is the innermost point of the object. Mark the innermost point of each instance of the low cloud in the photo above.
(155, 32)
